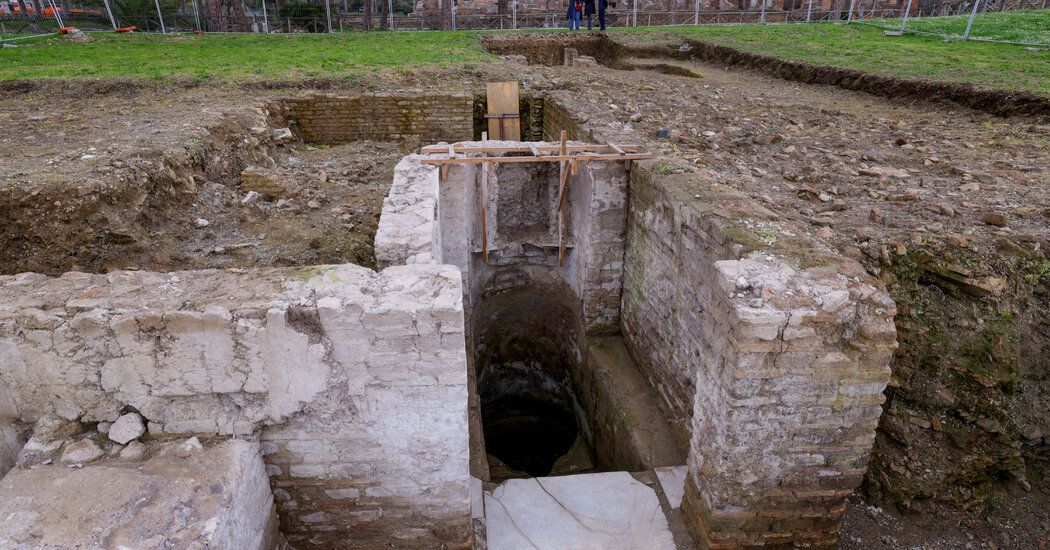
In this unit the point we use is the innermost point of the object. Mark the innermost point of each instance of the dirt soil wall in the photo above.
(56, 227)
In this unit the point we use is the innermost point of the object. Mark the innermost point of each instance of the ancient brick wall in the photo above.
(773, 374)
(355, 381)
(332, 119)
(557, 118)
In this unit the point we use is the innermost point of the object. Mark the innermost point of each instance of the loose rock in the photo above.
(127, 428)
(80, 452)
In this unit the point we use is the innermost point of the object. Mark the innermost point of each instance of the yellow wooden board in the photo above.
(503, 100)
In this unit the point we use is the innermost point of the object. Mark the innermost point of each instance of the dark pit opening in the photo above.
(528, 418)
(530, 415)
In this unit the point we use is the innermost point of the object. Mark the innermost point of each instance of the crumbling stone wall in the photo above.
(355, 381)
(333, 119)
(774, 373)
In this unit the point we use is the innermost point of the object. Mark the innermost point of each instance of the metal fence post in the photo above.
(54, 11)
(635, 2)
(907, 10)
(849, 16)
(763, 17)
(809, 10)
(328, 12)
(196, 15)
(976, 4)
(161, 17)
(696, 13)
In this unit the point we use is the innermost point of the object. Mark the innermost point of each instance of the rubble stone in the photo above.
(127, 428)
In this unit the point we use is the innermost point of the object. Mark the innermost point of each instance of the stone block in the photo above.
(132, 504)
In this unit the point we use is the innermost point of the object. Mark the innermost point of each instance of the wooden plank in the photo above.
(561, 239)
(561, 216)
(563, 150)
(534, 151)
(616, 148)
(564, 176)
(551, 158)
(503, 100)
(484, 212)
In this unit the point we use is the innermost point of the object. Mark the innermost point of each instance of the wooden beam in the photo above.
(550, 158)
(534, 151)
(561, 239)
(527, 148)
(484, 212)
(564, 177)
(616, 148)
(563, 151)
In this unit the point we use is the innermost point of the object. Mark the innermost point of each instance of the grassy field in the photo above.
(1029, 26)
(990, 65)
(236, 57)
(247, 57)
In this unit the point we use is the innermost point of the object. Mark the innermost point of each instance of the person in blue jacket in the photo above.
(602, 5)
(575, 7)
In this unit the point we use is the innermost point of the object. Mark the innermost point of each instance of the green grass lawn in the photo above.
(1029, 26)
(238, 57)
(247, 57)
(990, 65)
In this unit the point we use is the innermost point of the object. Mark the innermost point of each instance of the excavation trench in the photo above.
(514, 326)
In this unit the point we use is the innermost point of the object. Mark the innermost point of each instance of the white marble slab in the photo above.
(606, 511)
(672, 480)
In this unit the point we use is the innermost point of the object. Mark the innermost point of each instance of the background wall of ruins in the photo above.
(332, 119)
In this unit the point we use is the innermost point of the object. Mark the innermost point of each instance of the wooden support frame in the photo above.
(567, 156)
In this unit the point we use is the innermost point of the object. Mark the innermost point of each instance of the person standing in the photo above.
(575, 7)
(602, 5)
(588, 10)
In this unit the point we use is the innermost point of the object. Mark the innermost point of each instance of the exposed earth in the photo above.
(949, 206)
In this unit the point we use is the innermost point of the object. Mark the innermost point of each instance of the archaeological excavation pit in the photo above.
(524, 355)
(543, 316)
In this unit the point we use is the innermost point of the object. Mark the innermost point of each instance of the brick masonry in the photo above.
(332, 119)
(773, 374)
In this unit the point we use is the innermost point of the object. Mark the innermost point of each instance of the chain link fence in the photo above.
(915, 16)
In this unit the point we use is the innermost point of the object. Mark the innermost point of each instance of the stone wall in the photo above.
(355, 380)
(774, 373)
(333, 119)
(408, 231)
